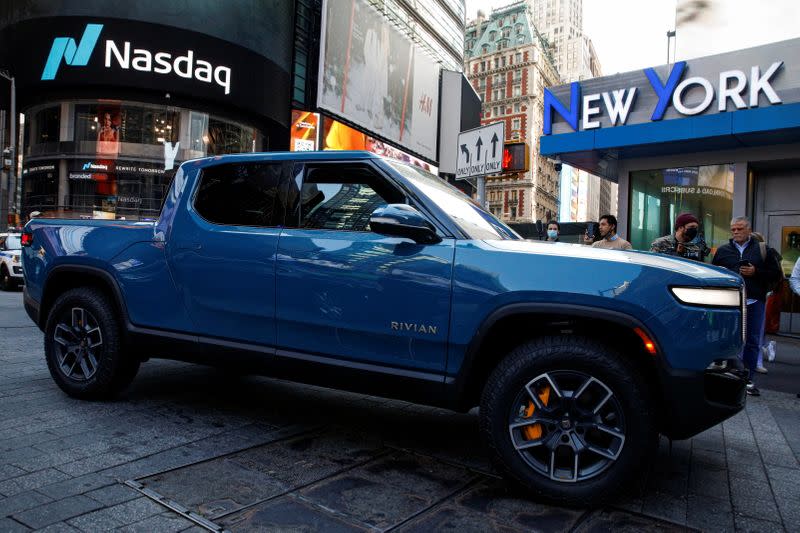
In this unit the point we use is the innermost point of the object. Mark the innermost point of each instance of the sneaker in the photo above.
(752, 390)
(771, 351)
(761, 370)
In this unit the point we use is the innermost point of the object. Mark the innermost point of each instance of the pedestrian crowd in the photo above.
(746, 254)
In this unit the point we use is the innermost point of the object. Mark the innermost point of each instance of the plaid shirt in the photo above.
(668, 245)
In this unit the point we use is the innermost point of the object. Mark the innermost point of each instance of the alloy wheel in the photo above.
(567, 425)
(78, 342)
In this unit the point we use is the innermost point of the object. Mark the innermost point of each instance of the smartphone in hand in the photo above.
(590, 230)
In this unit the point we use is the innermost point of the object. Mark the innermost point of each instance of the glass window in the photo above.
(46, 124)
(109, 124)
(11, 242)
(659, 196)
(339, 197)
(243, 194)
(474, 221)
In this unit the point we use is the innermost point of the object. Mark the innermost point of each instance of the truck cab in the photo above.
(347, 270)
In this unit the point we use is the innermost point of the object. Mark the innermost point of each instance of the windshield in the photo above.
(474, 221)
(13, 243)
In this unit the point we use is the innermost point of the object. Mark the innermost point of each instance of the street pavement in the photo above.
(188, 448)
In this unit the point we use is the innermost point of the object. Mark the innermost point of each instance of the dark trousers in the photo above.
(755, 320)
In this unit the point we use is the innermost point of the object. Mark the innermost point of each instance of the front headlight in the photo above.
(15, 259)
(707, 297)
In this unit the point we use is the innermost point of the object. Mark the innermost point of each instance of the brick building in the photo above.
(509, 65)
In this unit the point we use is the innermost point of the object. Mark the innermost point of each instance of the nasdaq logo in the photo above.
(74, 54)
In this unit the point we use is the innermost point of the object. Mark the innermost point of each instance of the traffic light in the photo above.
(516, 157)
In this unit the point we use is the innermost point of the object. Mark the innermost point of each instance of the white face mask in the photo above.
(552, 233)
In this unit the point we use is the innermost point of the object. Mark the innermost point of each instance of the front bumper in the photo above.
(696, 400)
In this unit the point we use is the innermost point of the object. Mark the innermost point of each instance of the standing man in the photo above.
(608, 233)
(743, 256)
(553, 230)
(794, 281)
(685, 241)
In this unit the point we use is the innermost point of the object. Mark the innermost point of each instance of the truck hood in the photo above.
(703, 272)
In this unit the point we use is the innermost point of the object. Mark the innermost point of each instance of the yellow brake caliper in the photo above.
(534, 431)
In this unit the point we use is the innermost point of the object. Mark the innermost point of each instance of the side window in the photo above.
(340, 197)
(242, 194)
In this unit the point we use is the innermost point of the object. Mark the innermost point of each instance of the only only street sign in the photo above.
(480, 151)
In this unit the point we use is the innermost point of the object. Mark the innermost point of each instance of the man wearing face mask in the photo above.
(553, 229)
(685, 241)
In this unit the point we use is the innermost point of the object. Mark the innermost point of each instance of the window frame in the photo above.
(300, 170)
(285, 179)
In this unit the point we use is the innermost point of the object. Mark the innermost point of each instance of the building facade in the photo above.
(509, 65)
(561, 24)
(114, 102)
(721, 139)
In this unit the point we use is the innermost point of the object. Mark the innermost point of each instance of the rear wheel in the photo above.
(569, 419)
(83, 346)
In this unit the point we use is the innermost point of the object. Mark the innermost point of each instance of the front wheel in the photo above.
(84, 348)
(569, 419)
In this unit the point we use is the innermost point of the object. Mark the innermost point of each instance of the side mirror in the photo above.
(401, 220)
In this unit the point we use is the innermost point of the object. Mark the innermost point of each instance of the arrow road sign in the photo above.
(475, 158)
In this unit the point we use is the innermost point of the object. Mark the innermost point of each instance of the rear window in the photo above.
(242, 194)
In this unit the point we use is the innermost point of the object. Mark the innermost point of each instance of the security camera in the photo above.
(557, 166)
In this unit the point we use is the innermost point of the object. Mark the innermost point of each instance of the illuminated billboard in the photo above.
(303, 133)
(338, 136)
(373, 76)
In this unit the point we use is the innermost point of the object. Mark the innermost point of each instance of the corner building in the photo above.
(509, 65)
(115, 99)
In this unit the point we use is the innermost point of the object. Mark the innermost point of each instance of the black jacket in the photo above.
(757, 285)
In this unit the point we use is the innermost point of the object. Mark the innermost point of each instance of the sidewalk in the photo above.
(784, 372)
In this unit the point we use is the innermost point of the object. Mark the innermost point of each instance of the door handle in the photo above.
(189, 246)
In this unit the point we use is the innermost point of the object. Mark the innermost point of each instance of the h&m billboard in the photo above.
(373, 76)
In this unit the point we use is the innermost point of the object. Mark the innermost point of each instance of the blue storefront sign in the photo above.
(714, 102)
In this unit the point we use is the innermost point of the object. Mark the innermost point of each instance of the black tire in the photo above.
(6, 283)
(629, 411)
(112, 369)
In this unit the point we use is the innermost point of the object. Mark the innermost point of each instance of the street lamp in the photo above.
(12, 142)
(670, 34)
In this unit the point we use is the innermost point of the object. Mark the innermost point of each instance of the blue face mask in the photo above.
(552, 233)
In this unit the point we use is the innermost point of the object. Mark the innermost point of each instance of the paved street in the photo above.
(190, 448)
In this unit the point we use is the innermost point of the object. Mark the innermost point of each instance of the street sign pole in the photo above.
(482, 191)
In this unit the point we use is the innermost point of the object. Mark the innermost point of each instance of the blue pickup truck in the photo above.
(351, 271)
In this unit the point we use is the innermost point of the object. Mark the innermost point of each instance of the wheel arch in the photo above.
(65, 277)
(508, 327)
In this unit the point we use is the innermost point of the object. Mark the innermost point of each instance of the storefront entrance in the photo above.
(776, 202)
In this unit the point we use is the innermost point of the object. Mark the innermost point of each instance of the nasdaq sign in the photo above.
(74, 54)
